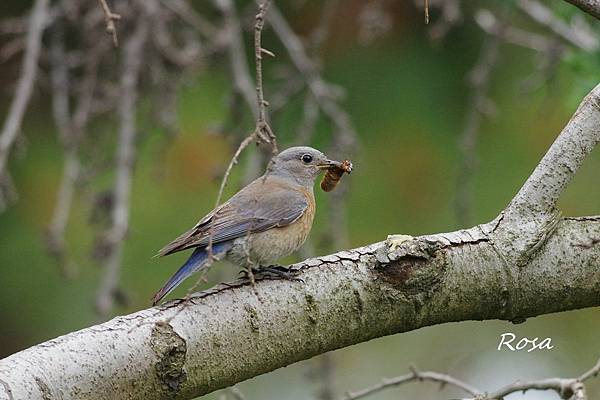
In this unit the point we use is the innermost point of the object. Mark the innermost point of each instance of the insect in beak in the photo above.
(334, 173)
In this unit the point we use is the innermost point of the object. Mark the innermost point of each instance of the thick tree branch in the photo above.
(346, 298)
(536, 200)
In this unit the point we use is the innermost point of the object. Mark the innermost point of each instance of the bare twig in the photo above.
(263, 129)
(591, 373)
(232, 162)
(262, 132)
(243, 85)
(571, 388)
(413, 376)
(26, 82)
(110, 18)
(566, 388)
(130, 75)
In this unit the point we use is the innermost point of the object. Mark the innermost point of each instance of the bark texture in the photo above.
(528, 261)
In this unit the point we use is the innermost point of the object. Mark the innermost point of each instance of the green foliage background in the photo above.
(407, 97)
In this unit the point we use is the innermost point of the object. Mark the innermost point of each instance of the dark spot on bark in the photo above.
(170, 350)
(44, 389)
(359, 301)
(311, 308)
(252, 317)
(412, 275)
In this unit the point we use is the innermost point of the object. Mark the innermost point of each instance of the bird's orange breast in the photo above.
(273, 244)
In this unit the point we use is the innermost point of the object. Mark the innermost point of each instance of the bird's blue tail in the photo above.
(195, 263)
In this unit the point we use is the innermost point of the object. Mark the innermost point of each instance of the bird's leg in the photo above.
(248, 273)
(281, 271)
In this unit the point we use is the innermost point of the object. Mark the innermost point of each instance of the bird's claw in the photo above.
(277, 270)
(281, 272)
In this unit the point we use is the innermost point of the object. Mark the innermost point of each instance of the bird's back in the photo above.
(266, 203)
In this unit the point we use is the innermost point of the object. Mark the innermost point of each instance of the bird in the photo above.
(266, 220)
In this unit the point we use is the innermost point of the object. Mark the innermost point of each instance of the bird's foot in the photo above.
(248, 274)
(280, 271)
(268, 272)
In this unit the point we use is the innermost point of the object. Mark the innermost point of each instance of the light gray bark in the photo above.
(527, 262)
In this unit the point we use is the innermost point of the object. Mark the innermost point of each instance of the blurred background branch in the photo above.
(566, 388)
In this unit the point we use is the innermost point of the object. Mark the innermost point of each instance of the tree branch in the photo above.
(26, 82)
(414, 375)
(566, 388)
(186, 349)
(346, 298)
(109, 19)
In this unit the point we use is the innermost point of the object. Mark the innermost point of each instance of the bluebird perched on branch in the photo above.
(265, 221)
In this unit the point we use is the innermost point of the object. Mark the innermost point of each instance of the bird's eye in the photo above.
(306, 158)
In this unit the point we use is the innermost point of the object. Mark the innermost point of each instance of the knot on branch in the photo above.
(413, 265)
(170, 350)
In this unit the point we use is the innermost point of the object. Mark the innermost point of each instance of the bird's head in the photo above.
(302, 164)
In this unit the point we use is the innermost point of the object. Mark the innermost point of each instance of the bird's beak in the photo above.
(329, 164)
